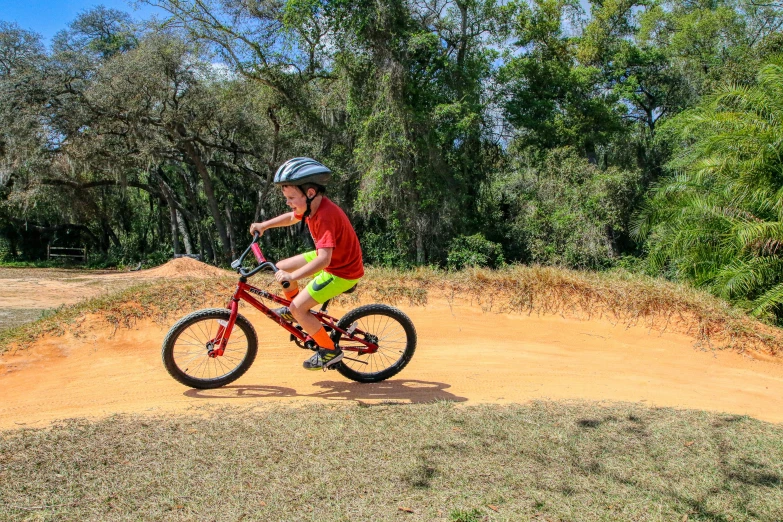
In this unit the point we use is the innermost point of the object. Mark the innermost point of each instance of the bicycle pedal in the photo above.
(295, 340)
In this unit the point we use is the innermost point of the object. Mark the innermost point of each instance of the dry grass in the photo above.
(544, 461)
(620, 297)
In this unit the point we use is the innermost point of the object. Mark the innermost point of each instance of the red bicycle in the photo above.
(204, 349)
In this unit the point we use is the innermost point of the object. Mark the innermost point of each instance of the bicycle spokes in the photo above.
(202, 350)
(385, 338)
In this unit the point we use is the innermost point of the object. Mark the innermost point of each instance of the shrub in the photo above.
(474, 250)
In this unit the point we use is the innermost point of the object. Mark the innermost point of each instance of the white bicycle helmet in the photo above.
(300, 171)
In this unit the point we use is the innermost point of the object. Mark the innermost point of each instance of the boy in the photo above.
(336, 261)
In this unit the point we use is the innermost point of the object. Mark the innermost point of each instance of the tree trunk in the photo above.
(206, 242)
(173, 224)
(109, 236)
(183, 229)
(194, 156)
(420, 254)
(159, 227)
(261, 216)
(463, 37)
(230, 230)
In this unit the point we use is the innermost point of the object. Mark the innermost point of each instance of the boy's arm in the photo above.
(322, 259)
(283, 220)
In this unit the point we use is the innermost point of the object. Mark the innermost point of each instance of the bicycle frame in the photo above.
(243, 291)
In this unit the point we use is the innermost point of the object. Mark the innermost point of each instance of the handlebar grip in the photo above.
(257, 251)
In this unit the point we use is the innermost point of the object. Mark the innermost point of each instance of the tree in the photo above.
(565, 210)
(415, 75)
(550, 98)
(100, 31)
(717, 220)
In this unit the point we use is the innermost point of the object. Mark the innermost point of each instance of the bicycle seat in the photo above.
(349, 291)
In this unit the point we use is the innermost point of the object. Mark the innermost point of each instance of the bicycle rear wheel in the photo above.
(187, 347)
(395, 335)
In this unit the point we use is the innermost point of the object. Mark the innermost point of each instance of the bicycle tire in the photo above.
(377, 317)
(174, 364)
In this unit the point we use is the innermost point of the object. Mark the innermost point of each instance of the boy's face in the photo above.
(295, 199)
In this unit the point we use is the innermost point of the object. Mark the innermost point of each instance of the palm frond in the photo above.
(769, 302)
(717, 219)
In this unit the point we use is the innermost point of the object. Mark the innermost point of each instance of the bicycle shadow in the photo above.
(402, 390)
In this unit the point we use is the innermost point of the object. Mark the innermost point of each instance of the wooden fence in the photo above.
(74, 254)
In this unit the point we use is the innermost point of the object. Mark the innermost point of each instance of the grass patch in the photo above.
(13, 317)
(544, 461)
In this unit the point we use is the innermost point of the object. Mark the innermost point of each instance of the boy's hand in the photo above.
(282, 275)
(257, 227)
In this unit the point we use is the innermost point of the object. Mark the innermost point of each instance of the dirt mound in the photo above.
(184, 267)
(463, 355)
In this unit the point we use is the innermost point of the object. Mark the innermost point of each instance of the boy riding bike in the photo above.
(336, 261)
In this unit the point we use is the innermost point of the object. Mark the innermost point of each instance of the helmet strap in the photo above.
(307, 212)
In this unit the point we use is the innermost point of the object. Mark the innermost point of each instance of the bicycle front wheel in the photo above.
(189, 349)
(385, 325)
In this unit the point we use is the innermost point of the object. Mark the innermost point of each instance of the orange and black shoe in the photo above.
(323, 359)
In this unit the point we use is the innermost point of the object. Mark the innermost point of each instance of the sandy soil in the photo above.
(463, 355)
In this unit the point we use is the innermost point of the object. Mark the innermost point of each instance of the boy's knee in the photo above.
(297, 310)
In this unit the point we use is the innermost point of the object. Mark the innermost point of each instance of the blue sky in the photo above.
(46, 17)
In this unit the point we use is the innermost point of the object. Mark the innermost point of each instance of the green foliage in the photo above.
(5, 250)
(385, 249)
(418, 115)
(475, 250)
(100, 31)
(717, 220)
(549, 96)
(564, 210)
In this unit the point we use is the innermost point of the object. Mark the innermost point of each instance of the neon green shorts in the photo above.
(324, 285)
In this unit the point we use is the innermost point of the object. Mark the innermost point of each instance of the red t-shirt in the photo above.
(331, 228)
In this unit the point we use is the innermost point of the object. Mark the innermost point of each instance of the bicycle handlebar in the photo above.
(263, 263)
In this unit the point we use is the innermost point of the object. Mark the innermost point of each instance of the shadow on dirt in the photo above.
(403, 391)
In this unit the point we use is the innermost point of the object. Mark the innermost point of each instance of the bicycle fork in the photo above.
(217, 345)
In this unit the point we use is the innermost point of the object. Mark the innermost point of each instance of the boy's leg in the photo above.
(323, 287)
(289, 265)
(327, 354)
(300, 309)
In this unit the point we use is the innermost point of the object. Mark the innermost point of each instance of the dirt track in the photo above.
(463, 355)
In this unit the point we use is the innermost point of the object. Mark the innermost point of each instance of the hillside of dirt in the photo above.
(464, 354)
(183, 267)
